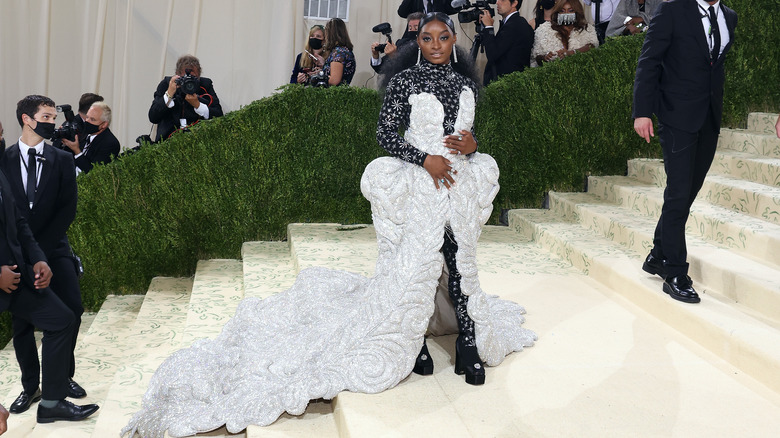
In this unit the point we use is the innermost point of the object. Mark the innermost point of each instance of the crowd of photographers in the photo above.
(551, 30)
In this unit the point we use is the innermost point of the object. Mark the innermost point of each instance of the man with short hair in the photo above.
(38, 184)
(426, 6)
(86, 101)
(99, 143)
(173, 109)
(509, 49)
(409, 37)
(679, 78)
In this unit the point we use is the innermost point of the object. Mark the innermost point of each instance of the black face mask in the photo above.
(89, 128)
(315, 43)
(45, 130)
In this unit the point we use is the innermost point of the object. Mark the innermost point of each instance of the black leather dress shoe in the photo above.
(75, 390)
(681, 289)
(654, 266)
(65, 411)
(23, 402)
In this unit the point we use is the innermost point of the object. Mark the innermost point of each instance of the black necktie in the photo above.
(32, 178)
(86, 144)
(430, 6)
(715, 31)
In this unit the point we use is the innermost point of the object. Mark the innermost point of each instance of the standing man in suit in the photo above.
(173, 109)
(42, 181)
(509, 49)
(425, 6)
(25, 274)
(679, 78)
(99, 143)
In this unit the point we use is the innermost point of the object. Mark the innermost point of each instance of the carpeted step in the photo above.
(719, 325)
(746, 166)
(268, 268)
(713, 269)
(757, 200)
(763, 123)
(763, 144)
(751, 237)
(157, 332)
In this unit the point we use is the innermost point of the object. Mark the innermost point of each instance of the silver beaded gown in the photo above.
(334, 330)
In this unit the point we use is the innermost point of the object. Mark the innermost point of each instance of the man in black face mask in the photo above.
(99, 143)
(409, 37)
(40, 190)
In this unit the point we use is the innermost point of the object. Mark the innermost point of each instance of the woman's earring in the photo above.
(419, 52)
(455, 55)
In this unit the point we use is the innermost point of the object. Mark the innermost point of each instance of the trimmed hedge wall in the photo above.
(298, 156)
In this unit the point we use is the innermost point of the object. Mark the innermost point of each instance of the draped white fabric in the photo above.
(121, 49)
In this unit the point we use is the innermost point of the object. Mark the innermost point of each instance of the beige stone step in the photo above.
(268, 268)
(714, 270)
(763, 123)
(718, 325)
(751, 237)
(764, 144)
(157, 332)
(217, 288)
(757, 200)
(350, 247)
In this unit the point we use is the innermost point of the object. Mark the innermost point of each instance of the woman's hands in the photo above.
(439, 169)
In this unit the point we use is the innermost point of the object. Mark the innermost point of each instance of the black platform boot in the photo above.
(424, 364)
(467, 359)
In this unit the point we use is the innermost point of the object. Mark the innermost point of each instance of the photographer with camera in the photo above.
(509, 49)
(409, 37)
(99, 143)
(183, 99)
(426, 6)
(632, 17)
(64, 142)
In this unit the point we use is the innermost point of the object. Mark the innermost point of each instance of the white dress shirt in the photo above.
(23, 157)
(704, 8)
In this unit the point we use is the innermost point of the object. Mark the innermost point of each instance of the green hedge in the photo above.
(298, 156)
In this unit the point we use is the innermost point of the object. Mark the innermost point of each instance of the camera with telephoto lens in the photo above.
(386, 30)
(188, 84)
(473, 15)
(70, 127)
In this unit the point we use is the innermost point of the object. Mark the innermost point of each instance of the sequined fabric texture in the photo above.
(333, 330)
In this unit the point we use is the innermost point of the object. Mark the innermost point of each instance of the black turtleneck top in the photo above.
(441, 81)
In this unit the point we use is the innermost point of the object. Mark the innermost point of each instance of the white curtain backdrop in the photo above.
(121, 49)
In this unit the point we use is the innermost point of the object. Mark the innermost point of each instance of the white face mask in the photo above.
(567, 19)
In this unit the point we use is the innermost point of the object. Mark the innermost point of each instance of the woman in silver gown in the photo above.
(333, 330)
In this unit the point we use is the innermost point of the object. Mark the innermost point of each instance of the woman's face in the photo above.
(320, 35)
(436, 41)
(567, 9)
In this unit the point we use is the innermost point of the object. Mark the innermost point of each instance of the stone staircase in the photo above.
(616, 357)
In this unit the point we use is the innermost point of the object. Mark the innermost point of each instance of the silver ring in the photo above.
(458, 152)
(460, 138)
(441, 180)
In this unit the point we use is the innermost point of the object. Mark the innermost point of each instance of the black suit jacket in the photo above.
(509, 49)
(167, 119)
(100, 150)
(675, 79)
(409, 6)
(55, 199)
(17, 244)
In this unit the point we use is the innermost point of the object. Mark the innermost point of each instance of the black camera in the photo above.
(473, 15)
(70, 127)
(386, 30)
(188, 84)
(320, 79)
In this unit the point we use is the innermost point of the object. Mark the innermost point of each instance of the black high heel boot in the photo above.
(424, 364)
(467, 362)
(467, 359)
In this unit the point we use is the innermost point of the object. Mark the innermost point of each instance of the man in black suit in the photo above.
(425, 6)
(509, 49)
(26, 275)
(679, 78)
(172, 109)
(99, 143)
